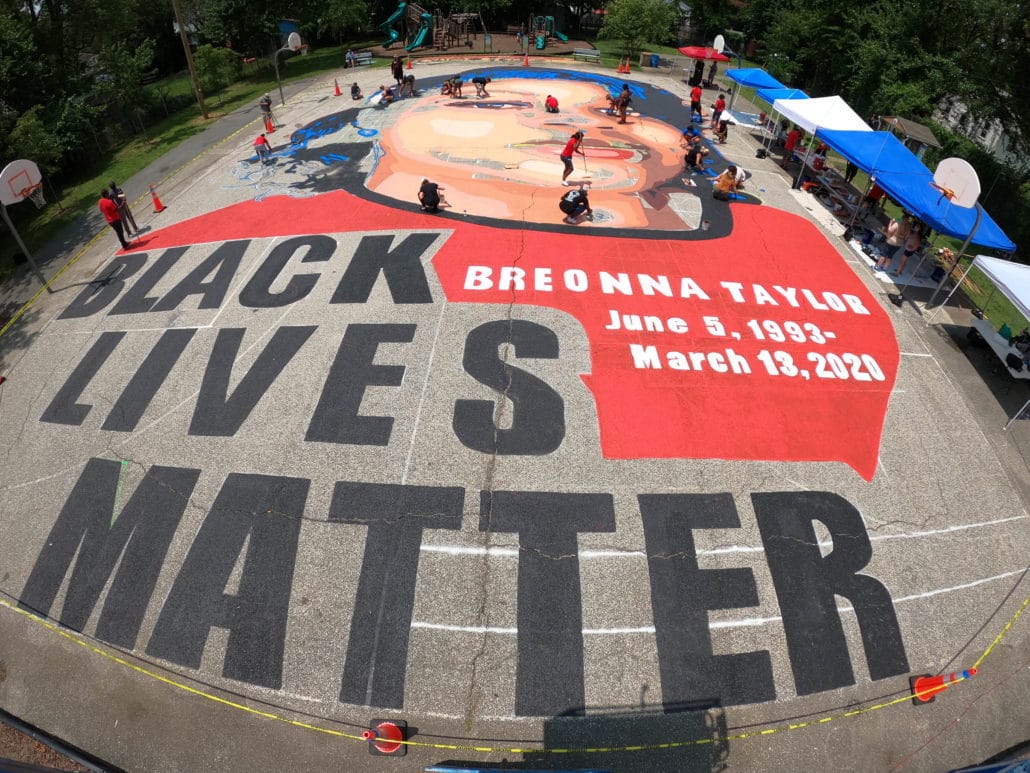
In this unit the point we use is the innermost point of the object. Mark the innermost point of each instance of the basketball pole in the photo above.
(24, 249)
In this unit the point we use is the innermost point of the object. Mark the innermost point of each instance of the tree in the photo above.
(342, 18)
(120, 75)
(638, 22)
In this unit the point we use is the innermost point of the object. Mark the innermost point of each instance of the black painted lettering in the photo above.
(377, 646)
(220, 414)
(140, 390)
(336, 418)
(136, 300)
(549, 677)
(63, 409)
(224, 262)
(265, 512)
(681, 596)
(538, 412)
(105, 288)
(139, 536)
(806, 583)
(257, 293)
(402, 267)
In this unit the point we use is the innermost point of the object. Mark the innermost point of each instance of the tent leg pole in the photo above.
(958, 255)
(1018, 413)
(933, 314)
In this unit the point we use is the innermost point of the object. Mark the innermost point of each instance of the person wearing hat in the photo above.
(266, 109)
(574, 145)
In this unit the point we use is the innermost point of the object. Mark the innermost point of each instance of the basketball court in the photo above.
(677, 477)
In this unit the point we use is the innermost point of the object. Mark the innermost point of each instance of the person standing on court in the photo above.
(397, 70)
(110, 212)
(571, 147)
(118, 196)
(695, 103)
(717, 108)
(265, 104)
(262, 148)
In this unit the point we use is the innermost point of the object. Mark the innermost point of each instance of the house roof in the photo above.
(911, 129)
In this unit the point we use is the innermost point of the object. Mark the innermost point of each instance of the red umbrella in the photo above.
(703, 52)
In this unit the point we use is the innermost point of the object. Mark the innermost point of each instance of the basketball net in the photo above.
(35, 194)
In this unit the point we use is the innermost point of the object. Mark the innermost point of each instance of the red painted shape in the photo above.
(666, 413)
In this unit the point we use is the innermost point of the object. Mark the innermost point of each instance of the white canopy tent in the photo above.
(820, 113)
(1011, 280)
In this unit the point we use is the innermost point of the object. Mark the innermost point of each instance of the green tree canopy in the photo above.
(638, 22)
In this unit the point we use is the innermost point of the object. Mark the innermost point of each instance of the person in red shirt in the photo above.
(717, 108)
(262, 148)
(788, 147)
(551, 104)
(695, 103)
(572, 146)
(110, 211)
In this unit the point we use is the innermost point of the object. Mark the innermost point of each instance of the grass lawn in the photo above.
(80, 194)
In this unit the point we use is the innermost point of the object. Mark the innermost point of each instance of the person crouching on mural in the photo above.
(430, 197)
(480, 82)
(355, 91)
(387, 96)
(725, 184)
(574, 203)
(407, 87)
(262, 148)
(572, 146)
(551, 104)
(722, 131)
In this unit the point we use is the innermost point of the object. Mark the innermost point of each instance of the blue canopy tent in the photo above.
(752, 78)
(771, 95)
(906, 179)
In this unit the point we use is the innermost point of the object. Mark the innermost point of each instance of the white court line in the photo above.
(750, 622)
(916, 354)
(511, 552)
(422, 397)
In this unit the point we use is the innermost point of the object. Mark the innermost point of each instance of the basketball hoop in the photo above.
(35, 194)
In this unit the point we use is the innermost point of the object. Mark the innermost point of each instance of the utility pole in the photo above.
(189, 59)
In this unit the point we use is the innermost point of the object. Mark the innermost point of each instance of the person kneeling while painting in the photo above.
(387, 96)
(722, 131)
(725, 184)
(429, 197)
(551, 104)
(574, 203)
(355, 91)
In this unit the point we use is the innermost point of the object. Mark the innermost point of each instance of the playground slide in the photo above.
(424, 29)
(541, 41)
(394, 18)
(561, 36)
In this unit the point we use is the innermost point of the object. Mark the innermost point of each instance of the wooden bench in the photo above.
(590, 54)
(362, 57)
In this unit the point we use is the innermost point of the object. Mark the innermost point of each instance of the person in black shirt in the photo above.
(574, 203)
(429, 197)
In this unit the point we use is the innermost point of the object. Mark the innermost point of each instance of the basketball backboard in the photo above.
(18, 180)
(719, 44)
(293, 41)
(957, 180)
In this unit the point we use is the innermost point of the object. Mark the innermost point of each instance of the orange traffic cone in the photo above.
(336, 88)
(525, 60)
(158, 206)
(925, 688)
(269, 127)
(409, 61)
(386, 737)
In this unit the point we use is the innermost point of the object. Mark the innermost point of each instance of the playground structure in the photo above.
(457, 29)
(541, 28)
(419, 28)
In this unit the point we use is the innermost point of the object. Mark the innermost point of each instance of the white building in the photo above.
(989, 133)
